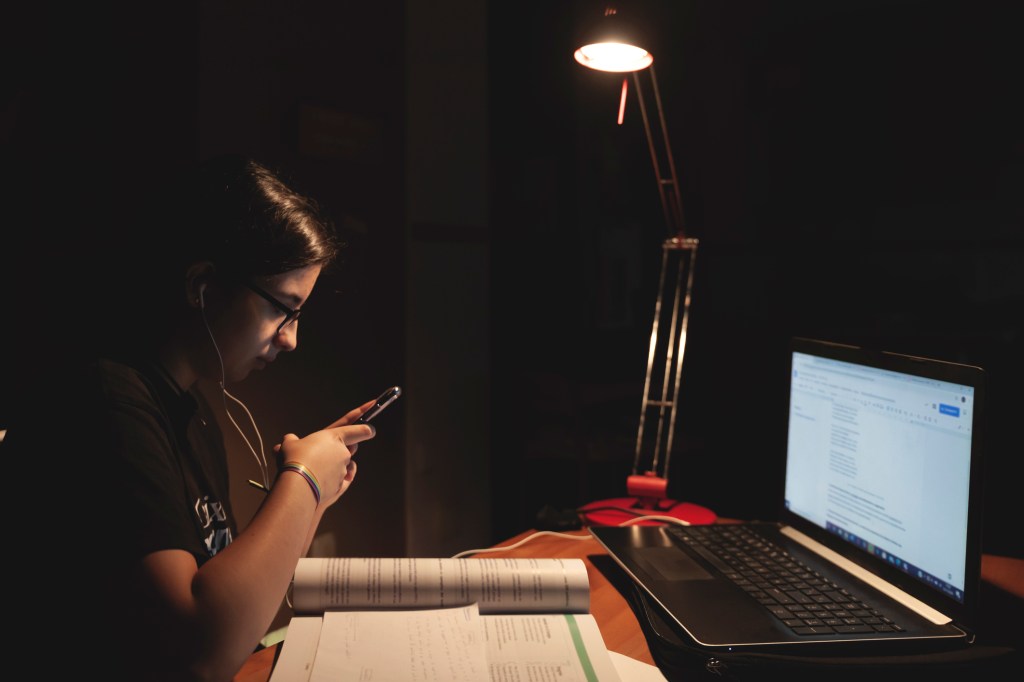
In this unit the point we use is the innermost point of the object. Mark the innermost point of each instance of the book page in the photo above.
(562, 647)
(444, 645)
(502, 585)
(298, 650)
(431, 645)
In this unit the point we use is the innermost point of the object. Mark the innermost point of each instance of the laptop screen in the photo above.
(882, 460)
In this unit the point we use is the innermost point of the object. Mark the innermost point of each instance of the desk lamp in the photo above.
(613, 44)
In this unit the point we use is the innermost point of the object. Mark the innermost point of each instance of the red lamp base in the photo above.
(617, 510)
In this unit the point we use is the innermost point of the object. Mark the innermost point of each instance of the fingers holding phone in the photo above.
(331, 450)
(370, 409)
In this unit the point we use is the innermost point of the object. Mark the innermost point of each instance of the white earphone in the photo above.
(261, 459)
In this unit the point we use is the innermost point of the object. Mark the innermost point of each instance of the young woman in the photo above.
(155, 578)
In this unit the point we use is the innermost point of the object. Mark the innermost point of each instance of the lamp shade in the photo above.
(613, 43)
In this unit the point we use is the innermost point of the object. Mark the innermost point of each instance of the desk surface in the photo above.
(619, 626)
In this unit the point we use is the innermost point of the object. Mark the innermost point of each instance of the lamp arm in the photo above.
(678, 257)
(668, 187)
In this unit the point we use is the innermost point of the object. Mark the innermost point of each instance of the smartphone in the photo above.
(383, 400)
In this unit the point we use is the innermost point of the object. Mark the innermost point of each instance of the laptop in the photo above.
(877, 543)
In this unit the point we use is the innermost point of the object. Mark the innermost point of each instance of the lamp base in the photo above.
(615, 511)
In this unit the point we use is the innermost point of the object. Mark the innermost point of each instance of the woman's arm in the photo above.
(206, 621)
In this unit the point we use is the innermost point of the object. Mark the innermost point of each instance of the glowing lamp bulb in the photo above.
(614, 57)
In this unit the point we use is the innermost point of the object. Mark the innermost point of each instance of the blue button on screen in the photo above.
(951, 410)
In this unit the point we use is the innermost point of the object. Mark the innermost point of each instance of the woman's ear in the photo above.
(197, 277)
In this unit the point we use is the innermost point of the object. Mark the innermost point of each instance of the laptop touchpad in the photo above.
(668, 563)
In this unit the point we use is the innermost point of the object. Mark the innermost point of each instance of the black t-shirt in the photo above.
(106, 463)
(166, 455)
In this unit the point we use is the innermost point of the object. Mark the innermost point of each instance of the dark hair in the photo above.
(249, 223)
(231, 211)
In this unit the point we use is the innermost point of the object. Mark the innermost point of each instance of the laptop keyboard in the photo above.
(801, 598)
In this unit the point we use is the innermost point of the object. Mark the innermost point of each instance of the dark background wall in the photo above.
(853, 171)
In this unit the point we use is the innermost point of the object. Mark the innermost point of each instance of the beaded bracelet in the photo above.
(304, 471)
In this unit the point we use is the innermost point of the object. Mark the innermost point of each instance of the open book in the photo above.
(423, 619)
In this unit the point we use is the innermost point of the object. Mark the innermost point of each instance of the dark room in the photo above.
(506, 222)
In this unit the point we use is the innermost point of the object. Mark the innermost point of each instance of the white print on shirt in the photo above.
(210, 513)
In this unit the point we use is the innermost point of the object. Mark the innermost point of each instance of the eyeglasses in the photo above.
(290, 314)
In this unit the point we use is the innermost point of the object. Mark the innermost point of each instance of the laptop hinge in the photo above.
(911, 602)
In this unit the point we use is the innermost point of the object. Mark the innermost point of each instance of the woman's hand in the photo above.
(329, 453)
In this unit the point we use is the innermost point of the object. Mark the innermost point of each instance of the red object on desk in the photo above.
(648, 493)
(649, 485)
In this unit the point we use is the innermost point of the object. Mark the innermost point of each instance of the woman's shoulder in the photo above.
(75, 397)
(99, 388)
(108, 378)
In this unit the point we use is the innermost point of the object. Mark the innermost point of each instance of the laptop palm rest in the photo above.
(668, 563)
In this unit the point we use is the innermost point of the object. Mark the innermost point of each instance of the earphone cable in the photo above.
(261, 461)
